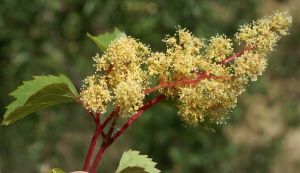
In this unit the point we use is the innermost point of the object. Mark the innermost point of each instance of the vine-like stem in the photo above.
(110, 139)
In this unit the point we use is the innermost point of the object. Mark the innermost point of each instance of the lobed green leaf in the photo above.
(134, 169)
(43, 91)
(132, 159)
(104, 40)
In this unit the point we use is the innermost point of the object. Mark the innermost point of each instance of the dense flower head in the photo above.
(129, 96)
(205, 76)
(265, 32)
(95, 94)
(219, 48)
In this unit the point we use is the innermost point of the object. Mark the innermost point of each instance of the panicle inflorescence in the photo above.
(191, 70)
(95, 94)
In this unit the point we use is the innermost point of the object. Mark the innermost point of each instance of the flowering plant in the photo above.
(201, 78)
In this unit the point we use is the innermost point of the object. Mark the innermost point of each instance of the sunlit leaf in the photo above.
(104, 40)
(134, 159)
(134, 169)
(43, 91)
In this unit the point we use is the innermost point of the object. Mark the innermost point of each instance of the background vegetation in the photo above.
(42, 37)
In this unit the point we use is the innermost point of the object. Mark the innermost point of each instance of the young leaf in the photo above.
(104, 40)
(134, 169)
(56, 170)
(39, 93)
(134, 159)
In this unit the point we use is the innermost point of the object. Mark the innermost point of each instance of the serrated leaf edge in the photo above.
(138, 154)
(35, 78)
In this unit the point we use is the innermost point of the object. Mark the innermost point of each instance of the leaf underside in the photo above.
(43, 91)
(133, 160)
(104, 40)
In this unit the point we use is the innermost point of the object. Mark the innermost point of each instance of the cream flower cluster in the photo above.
(204, 75)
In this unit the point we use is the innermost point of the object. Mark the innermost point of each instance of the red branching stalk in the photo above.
(238, 54)
(92, 115)
(110, 139)
(111, 129)
(243, 51)
(98, 131)
(141, 110)
(92, 147)
(108, 71)
(184, 81)
(200, 76)
(114, 112)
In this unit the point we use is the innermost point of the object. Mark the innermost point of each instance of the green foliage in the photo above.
(104, 40)
(131, 160)
(43, 91)
(133, 169)
(56, 170)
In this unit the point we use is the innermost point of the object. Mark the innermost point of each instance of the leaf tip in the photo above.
(3, 123)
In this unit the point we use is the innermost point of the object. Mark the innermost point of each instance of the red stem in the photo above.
(141, 110)
(114, 112)
(92, 115)
(94, 140)
(106, 143)
(108, 71)
(112, 126)
(184, 82)
(91, 149)
(110, 140)
(100, 153)
(200, 76)
(238, 54)
(98, 131)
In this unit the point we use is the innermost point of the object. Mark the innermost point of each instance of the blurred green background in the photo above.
(41, 37)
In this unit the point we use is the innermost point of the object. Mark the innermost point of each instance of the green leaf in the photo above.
(56, 170)
(134, 159)
(104, 40)
(39, 93)
(134, 169)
